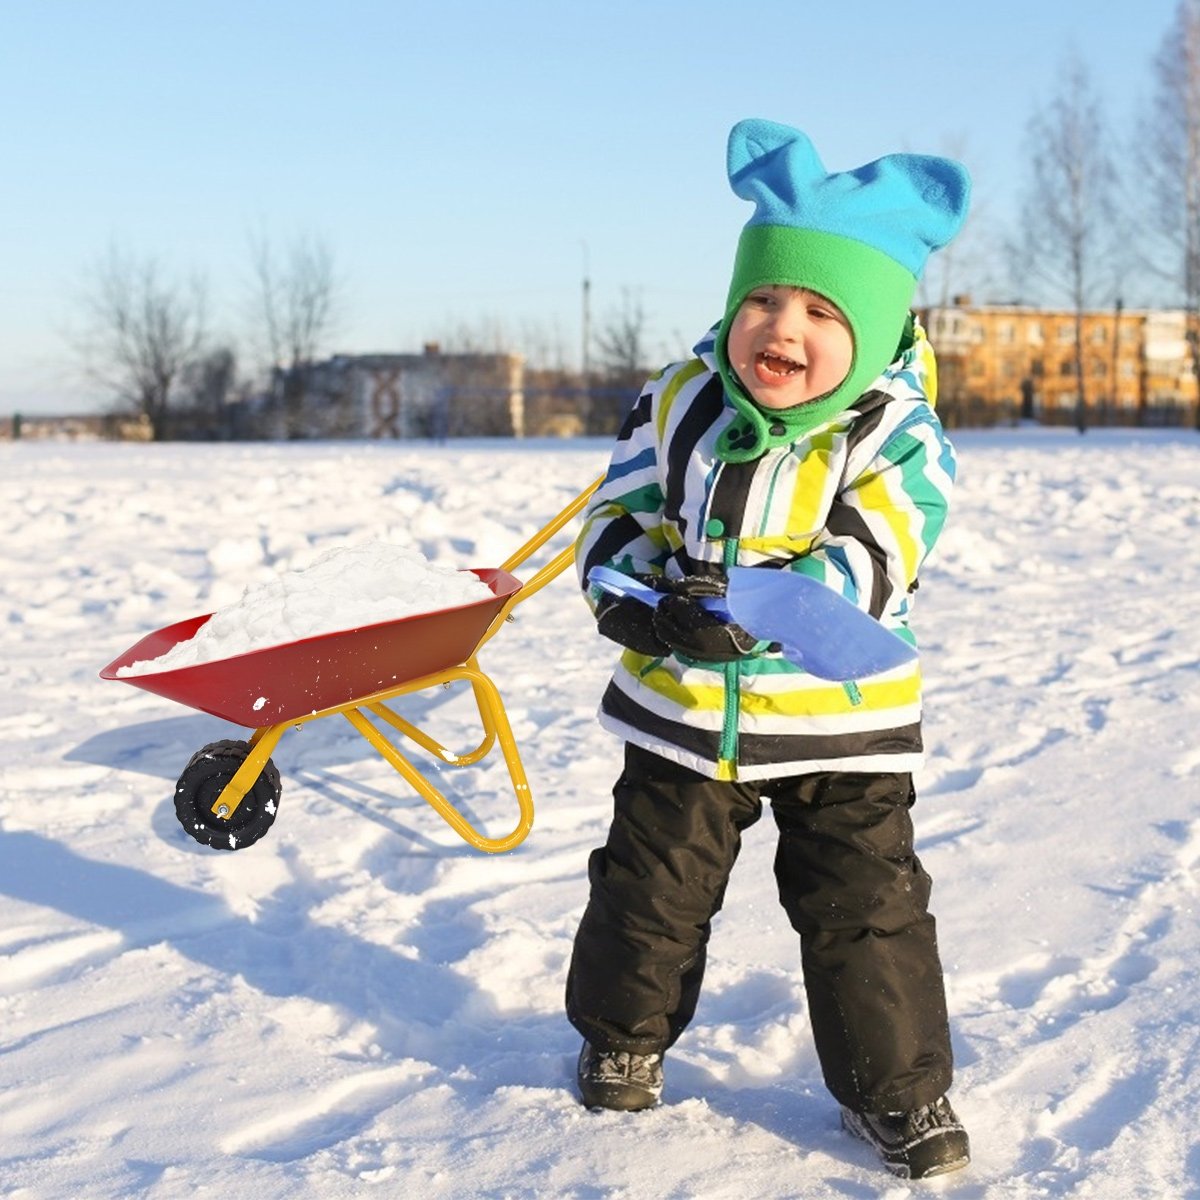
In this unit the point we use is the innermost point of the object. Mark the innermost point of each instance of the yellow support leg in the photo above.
(497, 726)
(246, 776)
(434, 747)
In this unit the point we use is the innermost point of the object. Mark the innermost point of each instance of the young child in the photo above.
(800, 437)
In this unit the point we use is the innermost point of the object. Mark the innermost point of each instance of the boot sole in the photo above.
(617, 1101)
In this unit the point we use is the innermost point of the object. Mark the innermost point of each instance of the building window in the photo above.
(1006, 334)
(1066, 368)
(1035, 333)
(1066, 334)
(1100, 334)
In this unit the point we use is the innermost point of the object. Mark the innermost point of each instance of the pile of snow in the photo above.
(345, 588)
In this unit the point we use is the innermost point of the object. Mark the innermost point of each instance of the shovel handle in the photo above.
(617, 584)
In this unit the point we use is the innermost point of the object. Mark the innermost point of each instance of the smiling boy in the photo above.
(801, 437)
(789, 345)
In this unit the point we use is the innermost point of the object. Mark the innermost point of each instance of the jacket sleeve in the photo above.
(623, 526)
(886, 518)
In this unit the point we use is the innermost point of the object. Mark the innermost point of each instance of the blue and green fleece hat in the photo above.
(860, 238)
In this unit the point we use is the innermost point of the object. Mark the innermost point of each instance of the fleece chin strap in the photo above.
(754, 431)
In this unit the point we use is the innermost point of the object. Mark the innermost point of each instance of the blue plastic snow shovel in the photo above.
(816, 629)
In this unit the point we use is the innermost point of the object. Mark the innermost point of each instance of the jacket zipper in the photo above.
(727, 763)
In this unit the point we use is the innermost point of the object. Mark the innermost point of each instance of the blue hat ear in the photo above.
(939, 190)
(772, 165)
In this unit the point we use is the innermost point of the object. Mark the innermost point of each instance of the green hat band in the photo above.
(874, 293)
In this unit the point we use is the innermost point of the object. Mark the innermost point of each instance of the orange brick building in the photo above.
(999, 362)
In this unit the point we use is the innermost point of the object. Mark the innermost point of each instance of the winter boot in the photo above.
(618, 1079)
(914, 1145)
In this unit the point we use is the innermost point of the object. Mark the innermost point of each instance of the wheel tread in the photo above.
(207, 772)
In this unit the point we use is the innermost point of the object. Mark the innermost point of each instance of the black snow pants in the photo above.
(851, 886)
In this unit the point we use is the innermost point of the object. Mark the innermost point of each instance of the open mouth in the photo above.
(777, 366)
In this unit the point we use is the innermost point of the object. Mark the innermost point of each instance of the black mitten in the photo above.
(683, 624)
(630, 622)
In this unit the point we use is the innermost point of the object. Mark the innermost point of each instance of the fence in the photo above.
(974, 412)
(1149, 416)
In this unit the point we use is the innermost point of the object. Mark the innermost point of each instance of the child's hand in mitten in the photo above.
(630, 622)
(686, 626)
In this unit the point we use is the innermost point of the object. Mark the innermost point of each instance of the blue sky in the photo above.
(465, 159)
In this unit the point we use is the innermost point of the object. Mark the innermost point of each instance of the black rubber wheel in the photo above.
(201, 783)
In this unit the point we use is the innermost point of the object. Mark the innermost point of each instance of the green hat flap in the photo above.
(860, 238)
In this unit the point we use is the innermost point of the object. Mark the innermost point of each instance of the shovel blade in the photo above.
(817, 629)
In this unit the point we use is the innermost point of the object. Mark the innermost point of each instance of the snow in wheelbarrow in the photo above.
(278, 683)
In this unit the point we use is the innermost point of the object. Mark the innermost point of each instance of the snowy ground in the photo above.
(360, 1005)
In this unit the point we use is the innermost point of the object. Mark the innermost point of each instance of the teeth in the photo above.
(780, 364)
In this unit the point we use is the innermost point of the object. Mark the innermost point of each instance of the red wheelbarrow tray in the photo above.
(278, 683)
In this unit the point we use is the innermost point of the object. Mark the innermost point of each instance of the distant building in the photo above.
(77, 427)
(1000, 362)
(397, 396)
(559, 405)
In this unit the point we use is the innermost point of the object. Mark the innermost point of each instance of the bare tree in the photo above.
(1169, 160)
(479, 335)
(618, 367)
(1067, 212)
(539, 343)
(621, 342)
(543, 345)
(206, 386)
(297, 300)
(140, 333)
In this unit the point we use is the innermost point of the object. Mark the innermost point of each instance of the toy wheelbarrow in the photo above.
(228, 794)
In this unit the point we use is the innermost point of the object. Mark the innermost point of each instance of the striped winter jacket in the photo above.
(857, 503)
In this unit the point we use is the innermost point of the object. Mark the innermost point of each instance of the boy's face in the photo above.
(788, 345)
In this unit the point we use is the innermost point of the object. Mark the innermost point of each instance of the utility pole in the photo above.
(585, 365)
(585, 359)
(1116, 354)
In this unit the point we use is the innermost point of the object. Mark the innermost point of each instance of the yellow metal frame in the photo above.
(487, 698)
